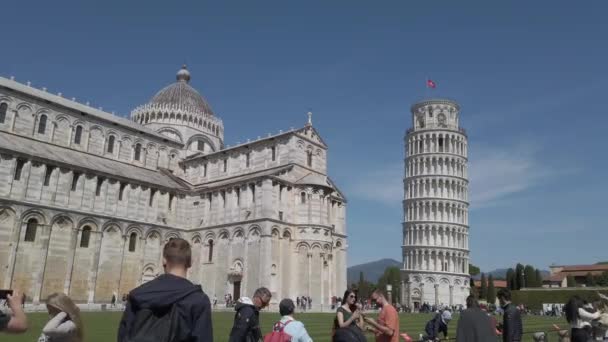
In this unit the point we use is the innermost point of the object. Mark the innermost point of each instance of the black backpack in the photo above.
(157, 326)
(349, 334)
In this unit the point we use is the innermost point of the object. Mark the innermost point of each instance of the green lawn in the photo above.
(101, 327)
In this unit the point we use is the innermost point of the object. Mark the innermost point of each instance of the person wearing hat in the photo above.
(439, 324)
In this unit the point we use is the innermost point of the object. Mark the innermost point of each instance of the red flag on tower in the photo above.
(431, 84)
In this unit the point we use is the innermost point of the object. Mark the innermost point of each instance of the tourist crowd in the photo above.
(171, 308)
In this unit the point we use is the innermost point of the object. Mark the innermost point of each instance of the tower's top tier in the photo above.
(435, 114)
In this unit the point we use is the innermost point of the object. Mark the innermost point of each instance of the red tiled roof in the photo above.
(499, 284)
(575, 268)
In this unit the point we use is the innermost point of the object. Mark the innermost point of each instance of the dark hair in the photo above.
(571, 309)
(504, 294)
(472, 302)
(178, 252)
(262, 293)
(286, 307)
(346, 294)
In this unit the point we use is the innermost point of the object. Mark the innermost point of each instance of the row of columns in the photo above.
(437, 211)
(446, 166)
(437, 236)
(446, 188)
(437, 143)
(143, 119)
(436, 261)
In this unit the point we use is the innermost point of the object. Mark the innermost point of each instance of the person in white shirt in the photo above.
(65, 324)
(579, 319)
(293, 328)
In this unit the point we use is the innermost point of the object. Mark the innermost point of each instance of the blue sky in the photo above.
(531, 78)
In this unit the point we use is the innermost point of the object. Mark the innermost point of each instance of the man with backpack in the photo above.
(170, 307)
(288, 329)
(246, 327)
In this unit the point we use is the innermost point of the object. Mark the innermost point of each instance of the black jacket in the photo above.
(436, 326)
(475, 325)
(246, 327)
(165, 291)
(512, 328)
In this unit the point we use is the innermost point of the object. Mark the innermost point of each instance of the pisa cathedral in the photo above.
(88, 199)
(436, 223)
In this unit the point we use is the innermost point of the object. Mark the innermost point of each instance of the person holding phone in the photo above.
(17, 322)
(65, 324)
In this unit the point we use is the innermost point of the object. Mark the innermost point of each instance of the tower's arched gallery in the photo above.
(88, 199)
(435, 208)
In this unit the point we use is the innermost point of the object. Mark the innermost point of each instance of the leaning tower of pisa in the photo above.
(435, 207)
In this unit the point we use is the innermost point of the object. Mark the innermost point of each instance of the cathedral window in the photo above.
(274, 153)
(137, 152)
(280, 216)
(110, 148)
(3, 108)
(247, 159)
(98, 187)
(42, 124)
(225, 165)
(238, 196)
(200, 145)
(309, 158)
(171, 197)
(210, 250)
(85, 237)
(75, 177)
(440, 144)
(47, 175)
(303, 198)
(205, 170)
(30, 230)
(223, 194)
(132, 242)
(252, 186)
(121, 191)
(78, 135)
(18, 169)
(152, 193)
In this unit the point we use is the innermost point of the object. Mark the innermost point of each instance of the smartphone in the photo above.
(4, 293)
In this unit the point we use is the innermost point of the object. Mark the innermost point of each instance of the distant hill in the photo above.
(501, 273)
(372, 271)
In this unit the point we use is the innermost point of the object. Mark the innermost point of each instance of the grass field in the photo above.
(101, 327)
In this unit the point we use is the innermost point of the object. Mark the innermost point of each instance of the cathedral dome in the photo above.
(181, 95)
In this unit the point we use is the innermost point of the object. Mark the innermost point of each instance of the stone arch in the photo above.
(430, 280)
(457, 282)
(339, 244)
(34, 213)
(153, 234)
(210, 236)
(61, 220)
(238, 233)
(417, 279)
(196, 238)
(444, 281)
(275, 233)
(254, 233)
(171, 133)
(224, 235)
(287, 234)
(134, 229)
(172, 235)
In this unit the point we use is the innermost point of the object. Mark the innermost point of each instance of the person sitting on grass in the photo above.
(438, 324)
(17, 322)
(65, 324)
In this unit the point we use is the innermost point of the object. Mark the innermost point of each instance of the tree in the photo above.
(473, 270)
(483, 290)
(539, 279)
(511, 279)
(602, 280)
(529, 276)
(363, 287)
(571, 281)
(589, 280)
(473, 289)
(392, 276)
(491, 296)
(519, 276)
